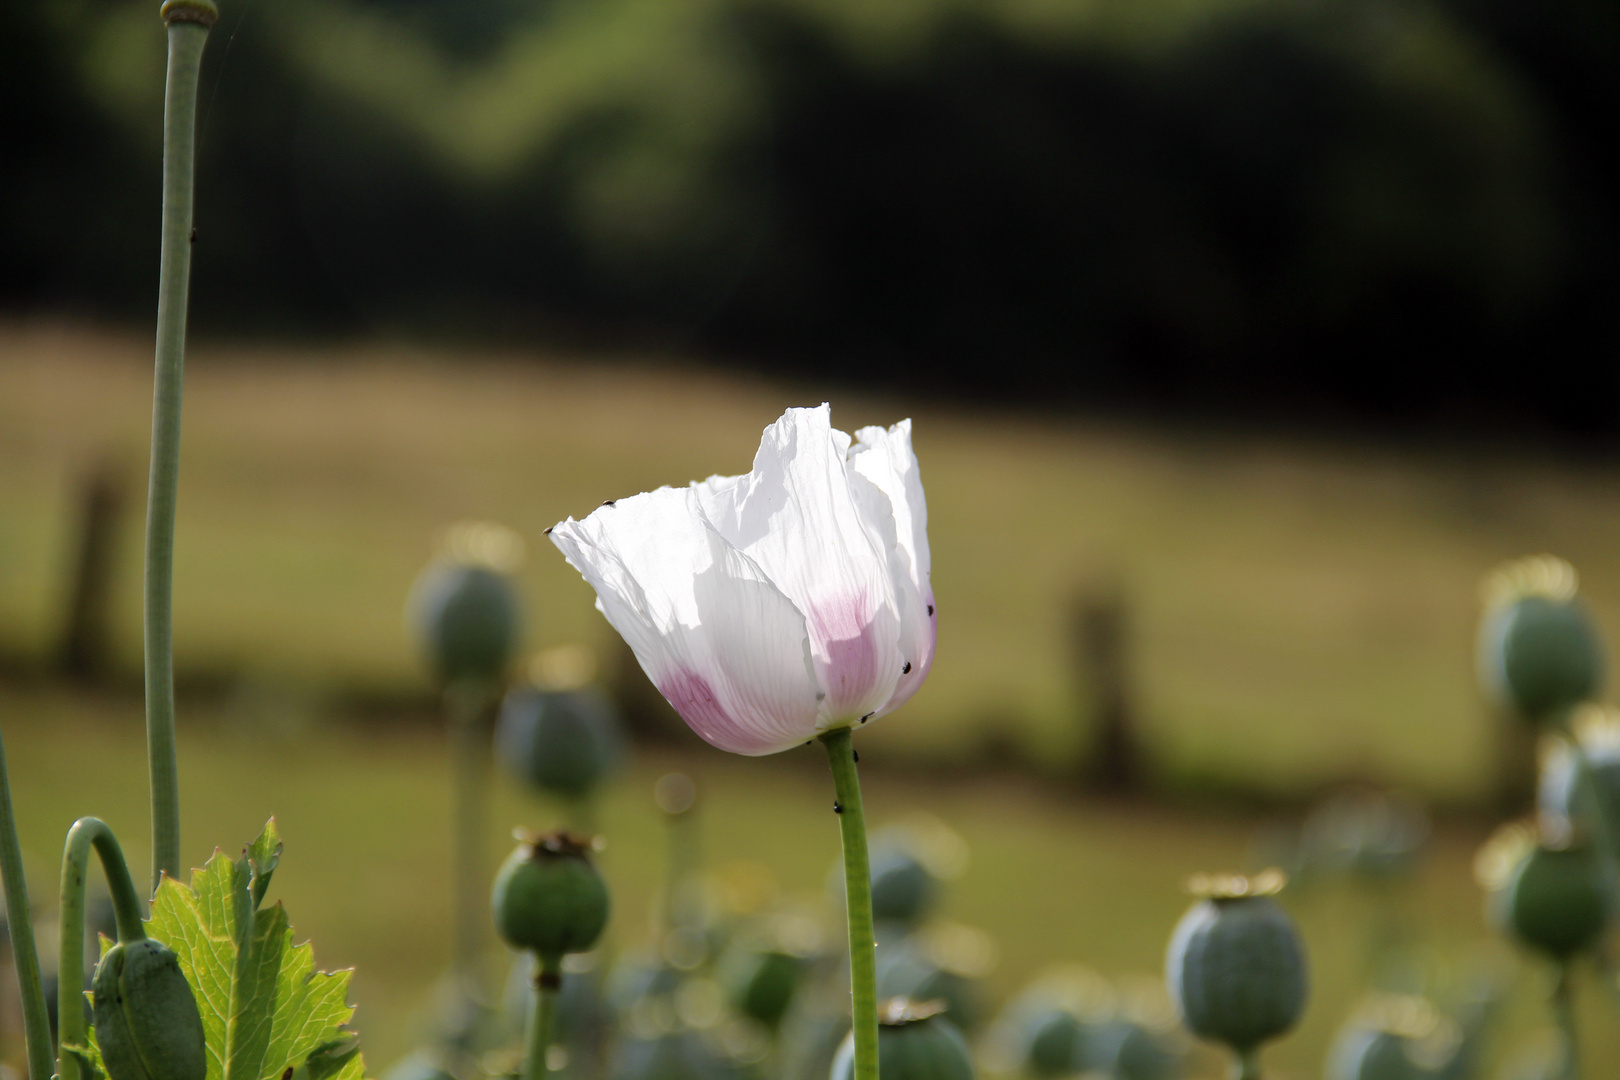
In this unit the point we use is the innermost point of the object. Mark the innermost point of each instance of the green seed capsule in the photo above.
(1054, 1039)
(915, 1042)
(146, 1017)
(1236, 968)
(1555, 900)
(563, 742)
(903, 890)
(1363, 1054)
(905, 969)
(549, 899)
(1126, 1050)
(467, 617)
(1540, 655)
(764, 985)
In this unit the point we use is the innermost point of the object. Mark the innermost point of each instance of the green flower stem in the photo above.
(127, 908)
(547, 984)
(188, 22)
(466, 704)
(1563, 1002)
(1247, 1065)
(858, 895)
(36, 1022)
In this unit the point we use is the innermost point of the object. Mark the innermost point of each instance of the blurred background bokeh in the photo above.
(1242, 339)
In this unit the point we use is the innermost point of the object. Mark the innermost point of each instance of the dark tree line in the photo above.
(1397, 212)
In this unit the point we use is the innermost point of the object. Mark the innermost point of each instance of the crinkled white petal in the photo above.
(723, 644)
(884, 459)
(796, 516)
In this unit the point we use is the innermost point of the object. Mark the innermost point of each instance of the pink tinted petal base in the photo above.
(694, 699)
(844, 639)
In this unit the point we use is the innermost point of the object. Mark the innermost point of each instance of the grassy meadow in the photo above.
(1300, 610)
(367, 870)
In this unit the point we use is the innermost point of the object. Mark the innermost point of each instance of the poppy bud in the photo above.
(1554, 900)
(549, 899)
(563, 742)
(1236, 967)
(1538, 650)
(146, 1017)
(915, 1042)
(467, 617)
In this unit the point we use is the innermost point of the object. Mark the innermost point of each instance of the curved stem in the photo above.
(127, 909)
(1563, 1002)
(19, 918)
(547, 983)
(858, 895)
(188, 21)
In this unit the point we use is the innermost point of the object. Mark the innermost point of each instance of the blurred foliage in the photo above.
(1115, 199)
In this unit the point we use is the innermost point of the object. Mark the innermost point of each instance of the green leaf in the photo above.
(88, 1055)
(265, 1009)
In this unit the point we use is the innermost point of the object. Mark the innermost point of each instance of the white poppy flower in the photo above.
(770, 607)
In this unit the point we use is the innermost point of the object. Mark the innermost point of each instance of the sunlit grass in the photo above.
(1299, 609)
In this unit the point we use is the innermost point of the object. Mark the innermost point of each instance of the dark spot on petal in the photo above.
(907, 669)
(930, 609)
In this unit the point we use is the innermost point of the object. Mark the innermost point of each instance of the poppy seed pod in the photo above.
(1370, 1054)
(563, 742)
(467, 618)
(1054, 1040)
(765, 984)
(146, 1017)
(1555, 900)
(1595, 734)
(915, 1042)
(1236, 966)
(549, 899)
(1126, 1050)
(903, 890)
(906, 969)
(1540, 655)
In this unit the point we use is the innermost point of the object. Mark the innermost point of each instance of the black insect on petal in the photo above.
(907, 669)
(930, 609)
(609, 502)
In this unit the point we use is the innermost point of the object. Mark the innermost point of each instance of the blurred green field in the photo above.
(1301, 609)
(367, 872)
